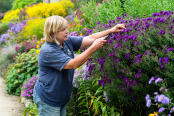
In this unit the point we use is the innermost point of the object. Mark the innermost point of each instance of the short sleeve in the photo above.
(57, 59)
(76, 42)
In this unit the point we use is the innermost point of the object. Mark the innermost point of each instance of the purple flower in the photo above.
(150, 81)
(147, 97)
(166, 60)
(171, 27)
(161, 109)
(161, 98)
(162, 32)
(158, 80)
(170, 49)
(122, 87)
(165, 50)
(165, 101)
(155, 93)
(162, 65)
(172, 109)
(138, 60)
(136, 43)
(145, 53)
(148, 103)
(139, 55)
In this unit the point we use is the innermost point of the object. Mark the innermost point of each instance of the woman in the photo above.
(57, 63)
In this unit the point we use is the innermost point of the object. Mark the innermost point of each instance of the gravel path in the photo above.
(9, 105)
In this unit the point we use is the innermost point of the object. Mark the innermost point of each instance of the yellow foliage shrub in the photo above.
(45, 10)
(33, 27)
(12, 15)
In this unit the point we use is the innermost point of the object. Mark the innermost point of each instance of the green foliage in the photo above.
(3, 28)
(5, 5)
(91, 100)
(24, 68)
(17, 4)
(31, 110)
(102, 12)
(139, 8)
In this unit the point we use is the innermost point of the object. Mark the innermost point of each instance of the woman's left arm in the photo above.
(88, 40)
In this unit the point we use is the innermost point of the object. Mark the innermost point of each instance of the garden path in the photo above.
(9, 105)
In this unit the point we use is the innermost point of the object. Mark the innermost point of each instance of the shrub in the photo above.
(141, 8)
(102, 12)
(18, 4)
(33, 27)
(25, 47)
(43, 10)
(3, 28)
(11, 16)
(24, 68)
(28, 86)
(144, 49)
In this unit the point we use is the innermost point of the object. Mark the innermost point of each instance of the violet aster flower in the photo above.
(136, 43)
(155, 93)
(148, 103)
(158, 80)
(156, 98)
(170, 49)
(161, 98)
(165, 50)
(166, 60)
(139, 55)
(161, 110)
(165, 101)
(150, 81)
(138, 60)
(162, 32)
(172, 109)
(145, 53)
(147, 97)
(162, 65)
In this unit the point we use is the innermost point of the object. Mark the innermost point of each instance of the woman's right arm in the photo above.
(83, 57)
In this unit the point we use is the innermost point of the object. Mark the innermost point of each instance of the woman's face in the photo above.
(62, 35)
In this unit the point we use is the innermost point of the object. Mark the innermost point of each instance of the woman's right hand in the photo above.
(98, 44)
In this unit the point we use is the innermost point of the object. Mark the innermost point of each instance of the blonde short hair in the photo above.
(52, 25)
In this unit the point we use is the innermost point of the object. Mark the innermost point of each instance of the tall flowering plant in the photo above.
(144, 49)
(28, 86)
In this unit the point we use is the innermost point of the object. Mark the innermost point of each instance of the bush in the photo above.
(102, 12)
(25, 47)
(33, 27)
(141, 8)
(26, 65)
(11, 16)
(43, 10)
(131, 57)
(18, 4)
(3, 28)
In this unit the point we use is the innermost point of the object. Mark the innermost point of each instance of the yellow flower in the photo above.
(37, 46)
(37, 51)
(153, 114)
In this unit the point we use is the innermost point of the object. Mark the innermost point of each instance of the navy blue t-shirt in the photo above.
(54, 85)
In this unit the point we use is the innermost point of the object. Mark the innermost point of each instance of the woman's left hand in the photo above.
(117, 28)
